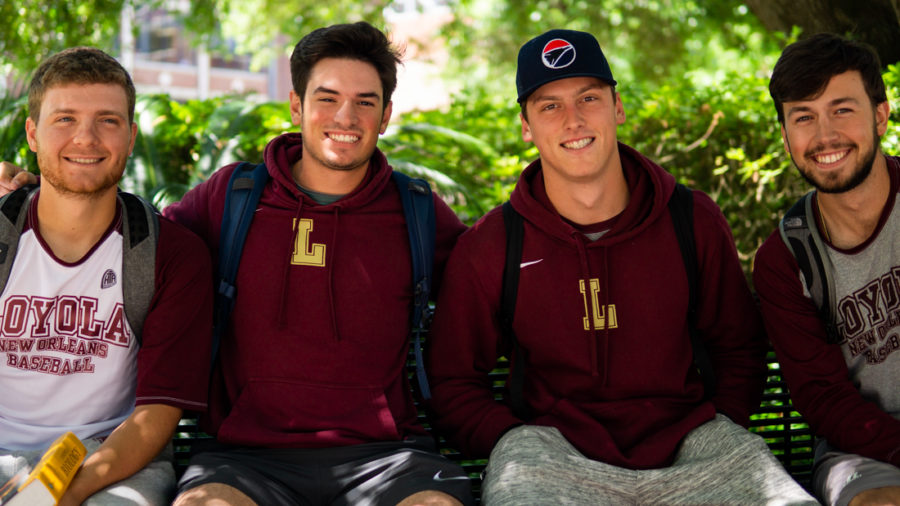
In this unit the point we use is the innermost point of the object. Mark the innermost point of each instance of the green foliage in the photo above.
(476, 143)
(649, 41)
(34, 29)
(181, 144)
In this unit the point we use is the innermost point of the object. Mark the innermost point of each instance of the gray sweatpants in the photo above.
(718, 463)
(838, 476)
(151, 486)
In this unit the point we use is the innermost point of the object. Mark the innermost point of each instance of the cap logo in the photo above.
(558, 53)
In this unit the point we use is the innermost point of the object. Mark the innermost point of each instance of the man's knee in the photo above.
(430, 498)
(213, 494)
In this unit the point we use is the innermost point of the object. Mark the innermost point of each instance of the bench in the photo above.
(775, 420)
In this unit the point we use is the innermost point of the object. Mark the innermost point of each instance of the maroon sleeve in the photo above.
(727, 316)
(466, 341)
(447, 230)
(816, 372)
(174, 357)
(201, 208)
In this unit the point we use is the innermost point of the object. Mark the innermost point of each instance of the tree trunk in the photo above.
(876, 22)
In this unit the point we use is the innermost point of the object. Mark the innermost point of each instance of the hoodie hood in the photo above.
(283, 192)
(287, 149)
(649, 184)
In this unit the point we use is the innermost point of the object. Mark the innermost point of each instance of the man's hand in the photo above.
(884, 496)
(13, 177)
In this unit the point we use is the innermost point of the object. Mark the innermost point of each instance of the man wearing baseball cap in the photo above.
(606, 403)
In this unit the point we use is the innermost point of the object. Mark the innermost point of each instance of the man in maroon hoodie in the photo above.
(617, 412)
(313, 404)
(310, 400)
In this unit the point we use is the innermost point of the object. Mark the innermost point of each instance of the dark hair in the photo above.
(806, 66)
(358, 41)
(78, 65)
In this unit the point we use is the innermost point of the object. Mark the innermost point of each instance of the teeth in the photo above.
(85, 160)
(343, 138)
(830, 158)
(579, 143)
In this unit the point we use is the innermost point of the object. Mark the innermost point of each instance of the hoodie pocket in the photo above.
(279, 413)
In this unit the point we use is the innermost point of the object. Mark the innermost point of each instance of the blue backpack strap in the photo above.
(244, 190)
(418, 208)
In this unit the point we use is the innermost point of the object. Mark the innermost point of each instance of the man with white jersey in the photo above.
(71, 356)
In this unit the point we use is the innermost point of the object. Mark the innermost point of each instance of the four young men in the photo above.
(309, 399)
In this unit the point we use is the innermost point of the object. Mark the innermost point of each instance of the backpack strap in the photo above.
(681, 209)
(418, 209)
(800, 233)
(12, 221)
(515, 234)
(140, 235)
(244, 190)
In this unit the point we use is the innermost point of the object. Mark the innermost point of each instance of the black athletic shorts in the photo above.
(382, 473)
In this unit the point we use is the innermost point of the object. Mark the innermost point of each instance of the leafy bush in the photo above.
(724, 140)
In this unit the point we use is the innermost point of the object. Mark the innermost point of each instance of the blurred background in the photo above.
(213, 80)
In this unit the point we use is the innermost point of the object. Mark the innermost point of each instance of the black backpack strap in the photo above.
(681, 208)
(515, 233)
(800, 232)
(12, 221)
(140, 235)
(244, 191)
(418, 209)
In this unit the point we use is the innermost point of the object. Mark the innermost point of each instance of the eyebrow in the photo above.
(329, 91)
(579, 92)
(832, 103)
(104, 112)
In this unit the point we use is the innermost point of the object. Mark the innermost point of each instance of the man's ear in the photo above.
(30, 129)
(296, 108)
(882, 113)
(386, 116)
(526, 130)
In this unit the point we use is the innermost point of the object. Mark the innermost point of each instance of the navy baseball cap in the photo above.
(559, 54)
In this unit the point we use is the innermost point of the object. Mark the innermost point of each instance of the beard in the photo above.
(832, 183)
(86, 189)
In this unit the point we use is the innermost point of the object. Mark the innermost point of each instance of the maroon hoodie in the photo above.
(315, 354)
(604, 325)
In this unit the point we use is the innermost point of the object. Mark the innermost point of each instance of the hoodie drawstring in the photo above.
(285, 275)
(594, 336)
(330, 268)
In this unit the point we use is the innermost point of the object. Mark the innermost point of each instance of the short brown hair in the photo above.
(806, 67)
(357, 41)
(78, 65)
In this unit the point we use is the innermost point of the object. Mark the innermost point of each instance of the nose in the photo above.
(825, 129)
(86, 134)
(346, 114)
(574, 118)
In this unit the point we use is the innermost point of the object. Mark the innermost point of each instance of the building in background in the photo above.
(162, 60)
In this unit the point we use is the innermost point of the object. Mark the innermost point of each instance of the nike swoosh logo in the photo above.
(438, 477)
(526, 264)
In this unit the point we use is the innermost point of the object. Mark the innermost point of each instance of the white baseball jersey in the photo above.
(67, 354)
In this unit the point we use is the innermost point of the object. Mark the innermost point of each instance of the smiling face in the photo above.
(82, 138)
(833, 138)
(341, 115)
(573, 123)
